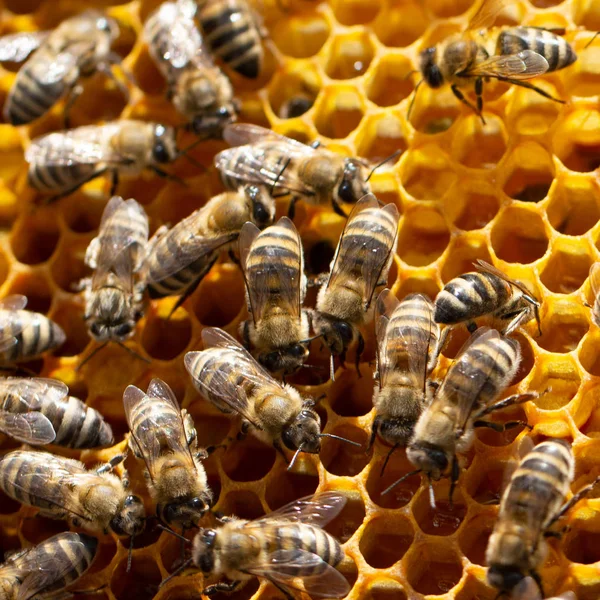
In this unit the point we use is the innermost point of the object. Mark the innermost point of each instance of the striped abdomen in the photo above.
(470, 296)
(538, 487)
(231, 32)
(53, 179)
(489, 365)
(35, 334)
(555, 49)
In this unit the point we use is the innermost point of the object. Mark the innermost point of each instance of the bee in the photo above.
(287, 547)
(40, 411)
(233, 32)
(227, 375)
(113, 295)
(488, 291)
(260, 156)
(178, 259)
(595, 284)
(408, 345)
(24, 334)
(484, 367)
(273, 267)
(531, 504)
(77, 48)
(509, 54)
(164, 437)
(200, 91)
(62, 488)
(61, 162)
(45, 570)
(358, 272)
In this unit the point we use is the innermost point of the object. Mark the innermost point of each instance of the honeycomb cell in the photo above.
(355, 12)
(530, 114)
(301, 36)
(351, 395)
(247, 592)
(383, 543)
(290, 486)
(530, 173)
(68, 267)
(292, 90)
(36, 288)
(426, 173)
(380, 137)
(384, 589)
(70, 318)
(584, 77)
(338, 111)
(400, 24)
(423, 236)
(489, 437)
(475, 589)
(464, 251)
(589, 357)
(562, 327)
(211, 429)
(433, 571)
(574, 205)
(388, 82)
(586, 14)
(349, 55)
(519, 235)
(479, 146)
(484, 481)
(576, 141)
(249, 460)
(141, 581)
(443, 520)
(340, 458)
(557, 379)
(528, 357)
(473, 538)
(220, 296)
(36, 529)
(401, 494)
(434, 111)
(242, 503)
(350, 518)
(567, 268)
(166, 338)
(34, 239)
(419, 285)
(582, 546)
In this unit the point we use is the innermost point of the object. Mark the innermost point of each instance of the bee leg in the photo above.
(166, 175)
(245, 334)
(479, 97)
(225, 587)
(374, 429)
(189, 427)
(111, 464)
(106, 69)
(510, 401)
(517, 320)
(582, 493)
(462, 98)
(292, 208)
(74, 93)
(530, 86)
(359, 350)
(454, 474)
(114, 182)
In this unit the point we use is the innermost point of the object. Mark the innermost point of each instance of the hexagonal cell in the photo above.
(355, 12)
(464, 251)
(338, 111)
(344, 459)
(245, 593)
(349, 55)
(527, 358)
(583, 78)
(473, 538)
(434, 111)
(380, 137)
(417, 284)
(301, 35)
(383, 589)
(586, 14)
(423, 236)
(443, 520)
(290, 486)
(529, 113)
(166, 338)
(589, 357)
(530, 173)
(472, 205)
(37, 289)
(433, 570)
(484, 480)
(558, 378)
(141, 581)
(563, 326)
(241, 503)
(582, 546)
(479, 146)
(574, 205)
(249, 460)
(70, 318)
(34, 238)
(293, 92)
(388, 82)
(350, 395)
(68, 267)
(426, 173)
(37, 529)
(396, 468)
(385, 541)
(400, 24)
(449, 8)
(576, 141)
(546, 3)
(351, 517)
(567, 268)
(475, 589)
(489, 437)
(519, 235)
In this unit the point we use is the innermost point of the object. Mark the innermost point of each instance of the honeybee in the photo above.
(228, 376)
(358, 272)
(62, 488)
(510, 54)
(45, 570)
(164, 437)
(178, 259)
(531, 504)
(595, 284)
(77, 48)
(486, 292)
(233, 32)
(316, 175)
(61, 162)
(24, 334)
(113, 295)
(273, 267)
(408, 345)
(200, 91)
(287, 547)
(39, 411)
(484, 367)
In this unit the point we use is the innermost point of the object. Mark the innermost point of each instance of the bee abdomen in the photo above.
(54, 179)
(178, 283)
(556, 50)
(61, 550)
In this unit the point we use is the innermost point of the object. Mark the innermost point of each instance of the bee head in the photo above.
(185, 513)
(164, 148)
(428, 458)
(263, 207)
(131, 519)
(105, 330)
(305, 431)
(504, 577)
(211, 124)
(353, 186)
(288, 360)
(203, 551)
(430, 69)
(108, 25)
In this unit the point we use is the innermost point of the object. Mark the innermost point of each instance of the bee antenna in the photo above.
(410, 73)
(134, 353)
(173, 533)
(129, 554)
(285, 166)
(181, 567)
(412, 102)
(398, 481)
(341, 439)
(593, 38)
(91, 355)
(387, 459)
(385, 160)
(431, 496)
(293, 461)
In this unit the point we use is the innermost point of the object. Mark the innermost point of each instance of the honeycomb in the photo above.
(522, 192)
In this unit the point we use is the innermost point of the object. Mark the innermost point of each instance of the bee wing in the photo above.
(30, 427)
(13, 302)
(524, 65)
(386, 305)
(274, 273)
(283, 566)
(486, 14)
(242, 134)
(485, 267)
(89, 144)
(16, 47)
(34, 390)
(9, 328)
(49, 68)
